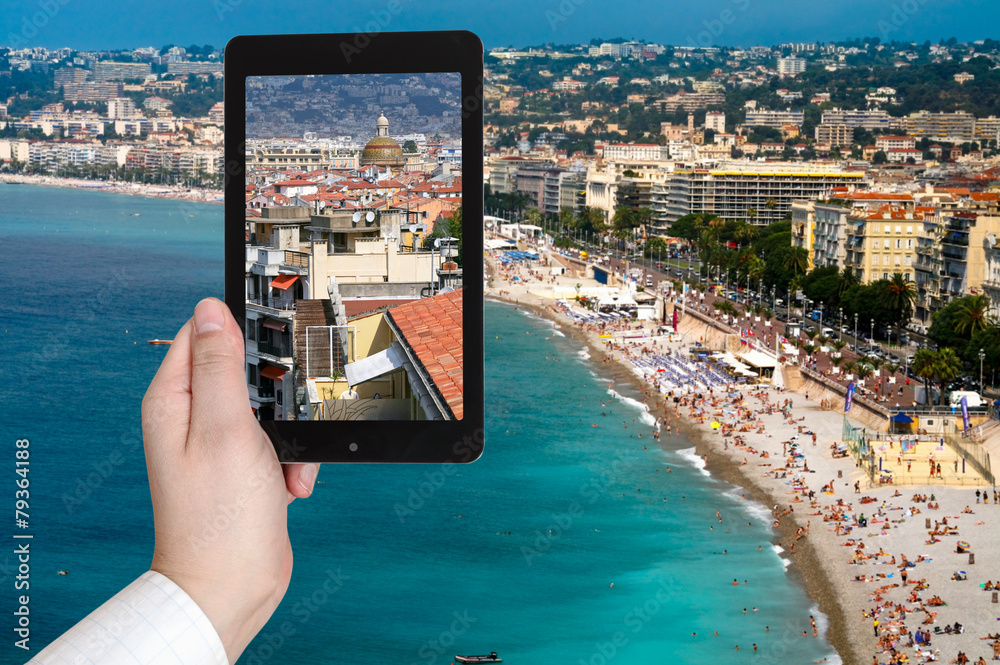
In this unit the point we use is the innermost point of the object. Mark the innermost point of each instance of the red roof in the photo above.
(432, 329)
(873, 196)
(289, 183)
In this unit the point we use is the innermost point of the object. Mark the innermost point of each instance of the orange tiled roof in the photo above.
(873, 196)
(432, 329)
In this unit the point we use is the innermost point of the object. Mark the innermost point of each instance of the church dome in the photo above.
(380, 148)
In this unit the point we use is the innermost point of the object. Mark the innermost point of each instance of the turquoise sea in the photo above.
(564, 543)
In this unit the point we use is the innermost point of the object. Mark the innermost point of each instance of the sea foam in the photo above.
(689, 455)
(645, 416)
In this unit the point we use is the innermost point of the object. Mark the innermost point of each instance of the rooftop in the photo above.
(432, 329)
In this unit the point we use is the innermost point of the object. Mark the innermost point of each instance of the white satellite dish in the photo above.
(369, 216)
(356, 217)
(414, 228)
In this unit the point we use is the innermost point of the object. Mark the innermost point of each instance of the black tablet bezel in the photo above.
(455, 441)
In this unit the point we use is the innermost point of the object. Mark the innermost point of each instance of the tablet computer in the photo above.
(354, 241)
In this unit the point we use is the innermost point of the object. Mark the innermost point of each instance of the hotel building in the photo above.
(756, 193)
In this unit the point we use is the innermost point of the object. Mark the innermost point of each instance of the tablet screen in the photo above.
(354, 246)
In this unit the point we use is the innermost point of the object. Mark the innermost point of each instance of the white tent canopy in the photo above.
(759, 359)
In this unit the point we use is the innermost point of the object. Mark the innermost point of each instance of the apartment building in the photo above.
(791, 66)
(295, 156)
(92, 91)
(888, 143)
(957, 127)
(121, 107)
(688, 101)
(988, 129)
(870, 119)
(757, 193)
(803, 226)
(774, 119)
(829, 231)
(883, 241)
(957, 259)
(716, 121)
(635, 152)
(194, 67)
(835, 135)
(120, 71)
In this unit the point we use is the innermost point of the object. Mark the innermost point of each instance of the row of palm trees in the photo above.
(941, 366)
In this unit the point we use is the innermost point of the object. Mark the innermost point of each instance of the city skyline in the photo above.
(514, 23)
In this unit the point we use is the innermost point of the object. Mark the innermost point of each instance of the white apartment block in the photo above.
(957, 127)
(900, 155)
(774, 119)
(791, 66)
(756, 193)
(888, 143)
(635, 152)
(121, 107)
(716, 120)
(870, 119)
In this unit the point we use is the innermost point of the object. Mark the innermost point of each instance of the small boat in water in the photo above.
(161, 341)
(492, 658)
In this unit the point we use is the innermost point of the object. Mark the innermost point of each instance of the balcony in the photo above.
(280, 304)
(280, 350)
(263, 394)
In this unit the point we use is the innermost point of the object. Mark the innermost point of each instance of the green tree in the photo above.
(864, 370)
(973, 315)
(409, 146)
(591, 220)
(944, 323)
(656, 247)
(797, 260)
(900, 297)
(947, 367)
(623, 223)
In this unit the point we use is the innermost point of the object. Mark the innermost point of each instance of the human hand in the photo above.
(219, 494)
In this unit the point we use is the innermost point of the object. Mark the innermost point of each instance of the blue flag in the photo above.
(850, 397)
(965, 412)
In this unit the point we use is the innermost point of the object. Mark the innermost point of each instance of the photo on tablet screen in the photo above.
(354, 247)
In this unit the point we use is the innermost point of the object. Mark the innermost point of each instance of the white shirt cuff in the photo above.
(150, 622)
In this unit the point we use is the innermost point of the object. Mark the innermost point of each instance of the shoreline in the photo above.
(168, 192)
(806, 566)
(819, 561)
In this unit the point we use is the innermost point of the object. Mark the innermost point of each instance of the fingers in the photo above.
(166, 408)
(219, 396)
(300, 479)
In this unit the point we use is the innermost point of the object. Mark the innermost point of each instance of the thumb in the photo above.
(219, 397)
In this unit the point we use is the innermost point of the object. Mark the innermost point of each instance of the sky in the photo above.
(126, 24)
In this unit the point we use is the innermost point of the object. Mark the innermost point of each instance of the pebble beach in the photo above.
(894, 567)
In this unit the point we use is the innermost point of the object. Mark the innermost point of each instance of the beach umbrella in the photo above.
(716, 425)
(964, 545)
